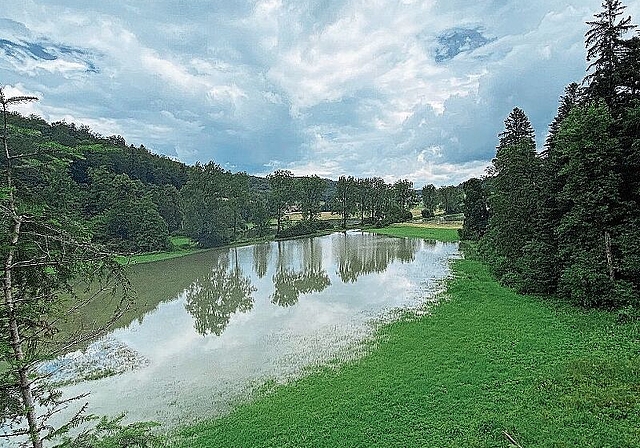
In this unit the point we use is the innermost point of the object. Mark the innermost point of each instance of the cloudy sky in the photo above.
(390, 88)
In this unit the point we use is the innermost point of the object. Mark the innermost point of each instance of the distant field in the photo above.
(431, 231)
(325, 216)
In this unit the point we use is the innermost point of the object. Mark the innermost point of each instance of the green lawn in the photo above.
(182, 246)
(486, 360)
(426, 231)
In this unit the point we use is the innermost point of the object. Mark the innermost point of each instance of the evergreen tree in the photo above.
(476, 210)
(517, 130)
(589, 232)
(605, 49)
(45, 257)
(512, 199)
(570, 99)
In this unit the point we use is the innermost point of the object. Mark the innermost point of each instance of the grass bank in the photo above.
(439, 232)
(486, 361)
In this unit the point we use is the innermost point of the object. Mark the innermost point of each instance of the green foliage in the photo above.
(124, 216)
(394, 213)
(46, 253)
(605, 49)
(111, 433)
(310, 192)
(345, 202)
(426, 213)
(430, 198)
(512, 200)
(282, 194)
(476, 210)
(304, 227)
(211, 201)
(565, 222)
(592, 192)
(403, 194)
(451, 198)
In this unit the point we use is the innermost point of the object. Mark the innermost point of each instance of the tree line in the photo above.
(132, 200)
(565, 220)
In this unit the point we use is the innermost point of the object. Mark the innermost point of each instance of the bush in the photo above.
(303, 228)
(427, 214)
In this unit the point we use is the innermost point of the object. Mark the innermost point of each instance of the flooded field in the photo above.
(238, 319)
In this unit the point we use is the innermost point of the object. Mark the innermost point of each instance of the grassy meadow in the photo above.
(486, 361)
(431, 231)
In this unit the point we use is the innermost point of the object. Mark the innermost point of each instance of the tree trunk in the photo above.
(23, 369)
(609, 253)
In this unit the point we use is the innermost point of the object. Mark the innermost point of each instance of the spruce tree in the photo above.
(47, 257)
(476, 210)
(512, 199)
(605, 49)
(589, 231)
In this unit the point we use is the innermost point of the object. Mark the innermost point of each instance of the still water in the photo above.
(238, 318)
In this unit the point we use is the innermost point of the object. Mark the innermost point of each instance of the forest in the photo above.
(132, 200)
(565, 220)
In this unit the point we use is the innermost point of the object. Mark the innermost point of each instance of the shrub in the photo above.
(304, 227)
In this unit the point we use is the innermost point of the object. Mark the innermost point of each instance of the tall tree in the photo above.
(209, 216)
(282, 194)
(450, 198)
(605, 49)
(310, 192)
(512, 198)
(430, 199)
(589, 231)
(404, 194)
(346, 198)
(476, 210)
(44, 255)
(570, 99)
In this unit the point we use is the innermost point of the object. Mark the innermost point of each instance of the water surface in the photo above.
(244, 316)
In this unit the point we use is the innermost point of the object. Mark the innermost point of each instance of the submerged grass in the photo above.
(486, 361)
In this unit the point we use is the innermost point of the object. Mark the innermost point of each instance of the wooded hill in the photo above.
(132, 200)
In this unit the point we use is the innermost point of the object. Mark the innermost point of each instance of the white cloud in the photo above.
(333, 87)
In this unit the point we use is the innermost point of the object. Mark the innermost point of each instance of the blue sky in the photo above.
(396, 89)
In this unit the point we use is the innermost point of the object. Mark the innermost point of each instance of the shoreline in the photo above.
(485, 365)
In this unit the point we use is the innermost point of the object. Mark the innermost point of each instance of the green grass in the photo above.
(486, 361)
(426, 231)
(182, 246)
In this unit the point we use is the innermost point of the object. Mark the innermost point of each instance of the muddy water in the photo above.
(244, 317)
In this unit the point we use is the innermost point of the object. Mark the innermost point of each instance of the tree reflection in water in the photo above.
(261, 254)
(290, 283)
(213, 298)
(369, 253)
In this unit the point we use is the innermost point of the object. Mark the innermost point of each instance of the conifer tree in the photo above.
(605, 50)
(45, 257)
(589, 230)
(476, 210)
(512, 198)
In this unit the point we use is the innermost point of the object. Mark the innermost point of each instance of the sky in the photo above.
(397, 89)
